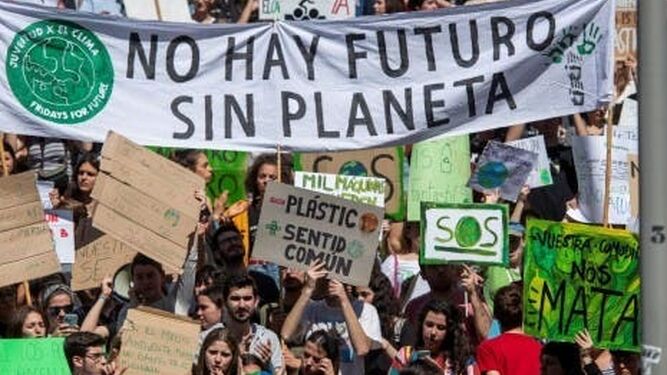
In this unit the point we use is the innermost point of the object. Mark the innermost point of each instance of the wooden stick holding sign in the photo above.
(607, 174)
(280, 164)
(158, 12)
(5, 173)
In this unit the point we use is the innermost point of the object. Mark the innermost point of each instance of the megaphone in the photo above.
(122, 282)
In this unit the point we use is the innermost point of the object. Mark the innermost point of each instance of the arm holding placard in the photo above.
(90, 323)
(470, 281)
(293, 319)
(520, 204)
(360, 341)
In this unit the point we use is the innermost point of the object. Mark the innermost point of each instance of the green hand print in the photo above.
(591, 37)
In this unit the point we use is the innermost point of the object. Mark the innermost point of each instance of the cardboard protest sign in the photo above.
(633, 163)
(33, 356)
(579, 276)
(541, 173)
(384, 163)
(229, 172)
(626, 29)
(99, 258)
(298, 227)
(590, 155)
(155, 342)
(158, 10)
(439, 172)
(146, 201)
(27, 247)
(502, 167)
(368, 190)
(302, 10)
(61, 223)
(464, 233)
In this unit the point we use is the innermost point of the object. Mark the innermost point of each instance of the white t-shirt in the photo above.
(320, 316)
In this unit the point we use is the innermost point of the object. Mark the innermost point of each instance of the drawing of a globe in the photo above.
(353, 168)
(468, 231)
(492, 174)
(59, 72)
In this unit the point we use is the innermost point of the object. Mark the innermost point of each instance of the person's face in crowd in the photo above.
(9, 161)
(203, 285)
(434, 329)
(219, 357)
(379, 7)
(293, 279)
(229, 247)
(429, 5)
(203, 168)
(21, 149)
(549, 365)
(266, 174)
(365, 294)
(241, 304)
(33, 326)
(441, 277)
(8, 302)
(147, 283)
(93, 363)
(86, 178)
(59, 305)
(312, 358)
(208, 312)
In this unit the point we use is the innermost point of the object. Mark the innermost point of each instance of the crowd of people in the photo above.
(259, 318)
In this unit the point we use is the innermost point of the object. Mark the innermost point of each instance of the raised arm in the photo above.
(316, 272)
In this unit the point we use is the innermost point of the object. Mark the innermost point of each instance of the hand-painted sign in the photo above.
(541, 173)
(368, 190)
(464, 233)
(580, 276)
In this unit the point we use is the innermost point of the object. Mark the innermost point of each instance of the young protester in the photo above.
(219, 354)
(561, 358)
(101, 318)
(85, 355)
(451, 283)
(58, 301)
(272, 315)
(320, 355)
(28, 322)
(440, 338)
(210, 306)
(388, 6)
(241, 300)
(403, 262)
(196, 161)
(513, 352)
(356, 322)
(9, 159)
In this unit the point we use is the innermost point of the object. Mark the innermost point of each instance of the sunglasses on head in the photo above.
(55, 310)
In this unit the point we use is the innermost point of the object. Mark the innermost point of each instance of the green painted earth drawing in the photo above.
(353, 168)
(492, 175)
(468, 231)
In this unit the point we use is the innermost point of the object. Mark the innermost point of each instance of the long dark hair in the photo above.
(384, 301)
(567, 354)
(218, 334)
(15, 327)
(73, 193)
(455, 346)
(328, 343)
(187, 158)
(270, 159)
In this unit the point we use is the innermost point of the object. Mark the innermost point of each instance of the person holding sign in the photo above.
(441, 339)
(356, 322)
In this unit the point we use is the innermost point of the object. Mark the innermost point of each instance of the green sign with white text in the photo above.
(580, 276)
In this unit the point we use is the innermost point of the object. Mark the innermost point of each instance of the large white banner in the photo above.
(307, 86)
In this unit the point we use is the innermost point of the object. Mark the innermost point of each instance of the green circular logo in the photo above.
(59, 71)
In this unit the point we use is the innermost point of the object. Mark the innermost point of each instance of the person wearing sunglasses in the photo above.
(60, 305)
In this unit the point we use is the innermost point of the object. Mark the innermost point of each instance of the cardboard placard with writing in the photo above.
(27, 247)
(439, 172)
(633, 162)
(146, 201)
(368, 190)
(464, 233)
(579, 276)
(97, 259)
(155, 342)
(302, 10)
(541, 173)
(384, 163)
(298, 227)
(502, 167)
(626, 29)
(33, 356)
